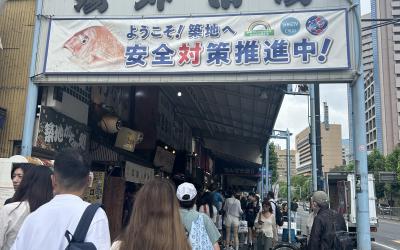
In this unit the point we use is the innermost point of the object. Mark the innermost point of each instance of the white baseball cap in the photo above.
(186, 189)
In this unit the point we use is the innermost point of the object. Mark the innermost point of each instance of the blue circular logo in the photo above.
(290, 26)
(316, 25)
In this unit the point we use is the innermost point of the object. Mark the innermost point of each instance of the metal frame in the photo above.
(279, 134)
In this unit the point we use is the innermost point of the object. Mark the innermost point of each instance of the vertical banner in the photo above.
(295, 41)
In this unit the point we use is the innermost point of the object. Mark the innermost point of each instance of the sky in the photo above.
(294, 111)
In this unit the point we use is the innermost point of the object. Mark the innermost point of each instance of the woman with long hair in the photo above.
(205, 206)
(155, 223)
(266, 226)
(17, 173)
(34, 190)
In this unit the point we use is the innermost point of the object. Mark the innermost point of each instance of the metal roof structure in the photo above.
(244, 113)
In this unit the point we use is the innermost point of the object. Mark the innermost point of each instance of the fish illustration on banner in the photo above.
(95, 45)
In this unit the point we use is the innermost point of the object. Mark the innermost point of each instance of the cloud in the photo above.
(294, 111)
(365, 6)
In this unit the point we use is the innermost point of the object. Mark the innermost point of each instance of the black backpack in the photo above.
(77, 241)
(278, 215)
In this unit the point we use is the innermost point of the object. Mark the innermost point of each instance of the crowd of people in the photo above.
(47, 212)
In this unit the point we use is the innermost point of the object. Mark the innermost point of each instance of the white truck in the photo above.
(341, 189)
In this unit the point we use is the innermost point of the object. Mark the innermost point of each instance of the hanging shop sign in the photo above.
(164, 160)
(57, 131)
(265, 42)
(138, 174)
(94, 193)
(245, 171)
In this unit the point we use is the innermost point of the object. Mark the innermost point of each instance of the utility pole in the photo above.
(313, 140)
(318, 137)
(360, 140)
(266, 189)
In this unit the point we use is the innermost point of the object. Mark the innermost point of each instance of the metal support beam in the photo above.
(289, 185)
(33, 89)
(313, 141)
(318, 138)
(267, 168)
(281, 134)
(360, 141)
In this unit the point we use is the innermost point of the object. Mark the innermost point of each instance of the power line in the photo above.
(382, 22)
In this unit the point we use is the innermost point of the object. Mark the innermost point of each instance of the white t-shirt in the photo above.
(12, 216)
(232, 207)
(45, 228)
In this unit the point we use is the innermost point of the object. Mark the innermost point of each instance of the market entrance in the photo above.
(190, 51)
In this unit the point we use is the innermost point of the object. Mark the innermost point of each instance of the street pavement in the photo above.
(387, 237)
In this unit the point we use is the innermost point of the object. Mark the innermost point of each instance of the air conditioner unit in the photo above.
(128, 138)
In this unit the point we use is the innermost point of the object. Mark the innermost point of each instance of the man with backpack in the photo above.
(202, 232)
(326, 226)
(55, 224)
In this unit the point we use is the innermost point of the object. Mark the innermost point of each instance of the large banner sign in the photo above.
(296, 41)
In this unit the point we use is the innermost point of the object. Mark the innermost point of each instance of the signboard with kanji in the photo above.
(296, 41)
(57, 132)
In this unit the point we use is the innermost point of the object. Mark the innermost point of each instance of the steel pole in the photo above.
(266, 168)
(289, 189)
(360, 141)
(313, 139)
(261, 183)
(32, 95)
(318, 137)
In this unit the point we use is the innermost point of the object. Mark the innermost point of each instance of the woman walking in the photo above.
(155, 223)
(205, 206)
(34, 190)
(266, 227)
(233, 211)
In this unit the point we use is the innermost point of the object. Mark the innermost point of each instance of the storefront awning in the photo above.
(245, 113)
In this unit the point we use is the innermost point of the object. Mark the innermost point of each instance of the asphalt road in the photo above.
(387, 237)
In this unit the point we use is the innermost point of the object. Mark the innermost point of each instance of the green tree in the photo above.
(392, 164)
(376, 163)
(344, 168)
(282, 189)
(273, 161)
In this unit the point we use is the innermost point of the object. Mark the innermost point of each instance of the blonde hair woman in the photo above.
(155, 223)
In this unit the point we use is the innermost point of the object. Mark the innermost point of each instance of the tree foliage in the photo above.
(273, 161)
(391, 163)
(300, 187)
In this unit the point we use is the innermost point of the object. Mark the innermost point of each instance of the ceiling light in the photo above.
(173, 151)
(166, 147)
(179, 94)
(263, 95)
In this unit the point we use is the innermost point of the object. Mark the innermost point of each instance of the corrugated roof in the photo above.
(245, 113)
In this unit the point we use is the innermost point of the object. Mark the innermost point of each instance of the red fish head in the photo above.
(95, 44)
(81, 41)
